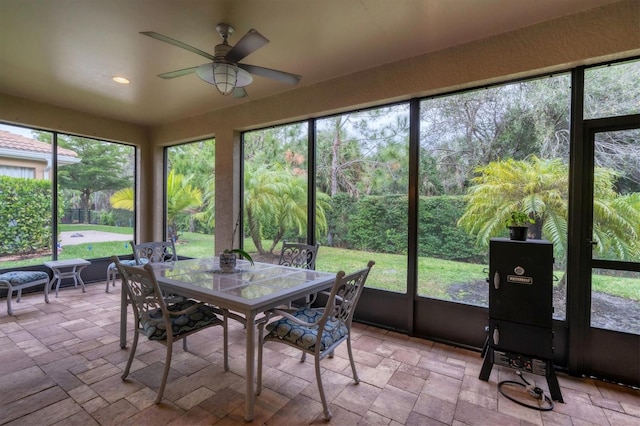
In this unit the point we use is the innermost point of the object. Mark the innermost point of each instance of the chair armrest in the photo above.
(328, 293)
(287, 314)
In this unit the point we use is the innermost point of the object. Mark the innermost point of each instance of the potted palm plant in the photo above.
(518, 224)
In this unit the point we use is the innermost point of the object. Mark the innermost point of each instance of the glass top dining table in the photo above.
(250, 290)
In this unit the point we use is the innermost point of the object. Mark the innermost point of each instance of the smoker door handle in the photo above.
(496, 336)
(496, 280)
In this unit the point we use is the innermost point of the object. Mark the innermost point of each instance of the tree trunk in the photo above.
(335, 153)
(254, 232)
(535, 230)
(85, 198)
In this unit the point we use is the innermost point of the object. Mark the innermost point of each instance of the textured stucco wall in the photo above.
(50, 117)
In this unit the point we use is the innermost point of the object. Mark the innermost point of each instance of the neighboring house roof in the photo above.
(17, 146)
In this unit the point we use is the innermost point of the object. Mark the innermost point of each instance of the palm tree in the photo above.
(540, 188)
(276, 199)
(262, 189)
(181, 198)
(616, 218)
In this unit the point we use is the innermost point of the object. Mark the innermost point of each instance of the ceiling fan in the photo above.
(226, 72)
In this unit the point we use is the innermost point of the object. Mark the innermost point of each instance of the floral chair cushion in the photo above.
(17, 278)
(306, 337)
(153, 325)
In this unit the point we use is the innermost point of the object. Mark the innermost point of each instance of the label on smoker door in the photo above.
(519, 280)
(520, 362)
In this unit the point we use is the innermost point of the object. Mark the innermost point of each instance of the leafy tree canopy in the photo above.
(103, 166)
(539, 188)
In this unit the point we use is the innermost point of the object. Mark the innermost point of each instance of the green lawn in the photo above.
(434, 275)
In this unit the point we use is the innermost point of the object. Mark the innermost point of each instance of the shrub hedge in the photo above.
(25, 215)
(379, 224)
(440, 235)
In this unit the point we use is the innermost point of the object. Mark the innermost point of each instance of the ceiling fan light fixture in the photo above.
(225, 77)
(205, 73)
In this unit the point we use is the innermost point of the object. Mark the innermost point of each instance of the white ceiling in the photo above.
(65, 52)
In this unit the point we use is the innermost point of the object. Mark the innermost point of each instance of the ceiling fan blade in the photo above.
(239, 93)
(178, 73)
(248, 44)
(282, 76)
(177, 43)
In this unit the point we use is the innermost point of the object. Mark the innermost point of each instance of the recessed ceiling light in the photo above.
(121, 80)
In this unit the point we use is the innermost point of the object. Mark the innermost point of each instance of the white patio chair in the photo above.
(112, 271)
(299, 255)
(164, 322)
(155, 252)
(317, 331)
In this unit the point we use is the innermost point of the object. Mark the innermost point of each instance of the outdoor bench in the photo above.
(17, 280)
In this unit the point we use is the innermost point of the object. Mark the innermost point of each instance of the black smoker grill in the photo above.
(520, 333)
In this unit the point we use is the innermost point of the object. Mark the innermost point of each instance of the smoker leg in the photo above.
(552, 381)
(487, 365)
(486, 342)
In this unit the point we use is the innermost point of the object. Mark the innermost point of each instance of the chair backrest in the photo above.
(344, 297)
(144, 293)
(155, 252)
(299, 255)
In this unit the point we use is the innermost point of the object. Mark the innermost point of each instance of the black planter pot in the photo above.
(518, 233)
